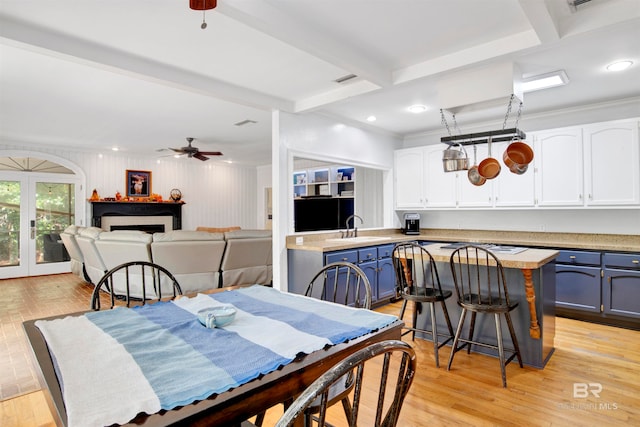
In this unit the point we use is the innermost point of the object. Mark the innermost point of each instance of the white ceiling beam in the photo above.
(350, 90)
(267, 19)
(541, 20)
(59, 45)
(466, 57)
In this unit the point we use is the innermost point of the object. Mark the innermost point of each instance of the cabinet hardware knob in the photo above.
(635, 261)
(572, 257)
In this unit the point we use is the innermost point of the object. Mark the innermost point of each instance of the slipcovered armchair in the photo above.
(68, 237)
(120, 247)
(93, 263)
(193, 257)
(247, 258)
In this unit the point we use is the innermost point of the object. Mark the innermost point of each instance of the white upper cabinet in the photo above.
(591, 165)
(472, 196)
(612, 163)
(510, 189)
(439, 186)
(558, 155)
(409, 178)
(596, 165)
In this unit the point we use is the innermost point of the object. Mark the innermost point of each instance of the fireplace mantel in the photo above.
(100, 209)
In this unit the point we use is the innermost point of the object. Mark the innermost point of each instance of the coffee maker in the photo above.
(411, 223)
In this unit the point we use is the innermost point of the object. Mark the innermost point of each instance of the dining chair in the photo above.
(481, 287)
(343, 283)
(418, 281)
(137, 283)
(391, 367)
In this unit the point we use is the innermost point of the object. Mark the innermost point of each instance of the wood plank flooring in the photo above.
(469, 394)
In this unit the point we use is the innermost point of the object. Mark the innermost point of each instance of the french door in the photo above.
(34, 209)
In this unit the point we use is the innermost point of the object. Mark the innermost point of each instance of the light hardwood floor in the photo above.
(471, 393)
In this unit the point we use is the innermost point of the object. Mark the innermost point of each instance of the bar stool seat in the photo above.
(481, 287)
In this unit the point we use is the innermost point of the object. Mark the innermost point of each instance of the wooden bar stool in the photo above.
(418, 280)
(481, 288)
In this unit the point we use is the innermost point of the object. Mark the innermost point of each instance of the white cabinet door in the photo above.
(439, 186)
(472, 196)
(409, 178)
(559, 164)
(509, 189)
(612, 163)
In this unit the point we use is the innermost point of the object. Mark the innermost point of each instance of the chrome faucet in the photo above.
(354, 233)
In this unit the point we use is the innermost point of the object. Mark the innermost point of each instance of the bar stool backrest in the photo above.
(479, 279)
(415, 268)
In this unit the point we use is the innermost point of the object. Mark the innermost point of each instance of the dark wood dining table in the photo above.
(227, 408)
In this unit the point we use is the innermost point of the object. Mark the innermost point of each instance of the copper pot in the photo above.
(489, 168)
(473, 174)
(517, 157)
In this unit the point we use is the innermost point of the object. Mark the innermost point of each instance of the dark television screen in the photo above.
(322, 213)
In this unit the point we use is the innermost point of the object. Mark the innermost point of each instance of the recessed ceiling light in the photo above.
(619, 66)
(114, 149)
(416, 109)
(371, 118)
(545, 81)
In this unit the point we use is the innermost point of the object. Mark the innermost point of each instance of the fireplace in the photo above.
(149, 217)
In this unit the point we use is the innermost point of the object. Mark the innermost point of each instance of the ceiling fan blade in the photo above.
(211, 153)
(177, 150)
(200, 156)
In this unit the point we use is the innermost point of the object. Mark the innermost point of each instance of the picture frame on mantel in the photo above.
(138, 183)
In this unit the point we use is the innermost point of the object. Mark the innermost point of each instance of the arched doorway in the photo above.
(38, 194)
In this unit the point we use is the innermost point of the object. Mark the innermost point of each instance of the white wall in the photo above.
(320, 137)
(600, 221)
(215, 194)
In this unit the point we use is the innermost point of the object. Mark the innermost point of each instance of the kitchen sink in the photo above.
(359, 239)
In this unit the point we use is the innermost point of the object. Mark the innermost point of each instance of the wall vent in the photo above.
(245, 122)
(575, 3)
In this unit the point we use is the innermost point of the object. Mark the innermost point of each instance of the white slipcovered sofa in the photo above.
(193, 257)
(68, 237)
(93, 263)
(199, 260)
(247, 258)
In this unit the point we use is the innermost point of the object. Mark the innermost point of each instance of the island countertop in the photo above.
(532, 258)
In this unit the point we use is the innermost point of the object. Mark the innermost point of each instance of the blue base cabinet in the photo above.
(375, 261)
(599, 287)
(377, 264)
(621, 285)
(578, 281)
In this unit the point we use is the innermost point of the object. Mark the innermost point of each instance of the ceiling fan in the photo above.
(195, 152)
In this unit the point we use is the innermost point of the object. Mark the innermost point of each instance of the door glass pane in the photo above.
(55, 211)
(9, 223)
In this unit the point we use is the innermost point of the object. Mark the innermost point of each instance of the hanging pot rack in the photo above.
(498, 135)
(483, 137)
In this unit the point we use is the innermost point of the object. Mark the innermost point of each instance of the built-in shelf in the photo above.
(334, 181)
